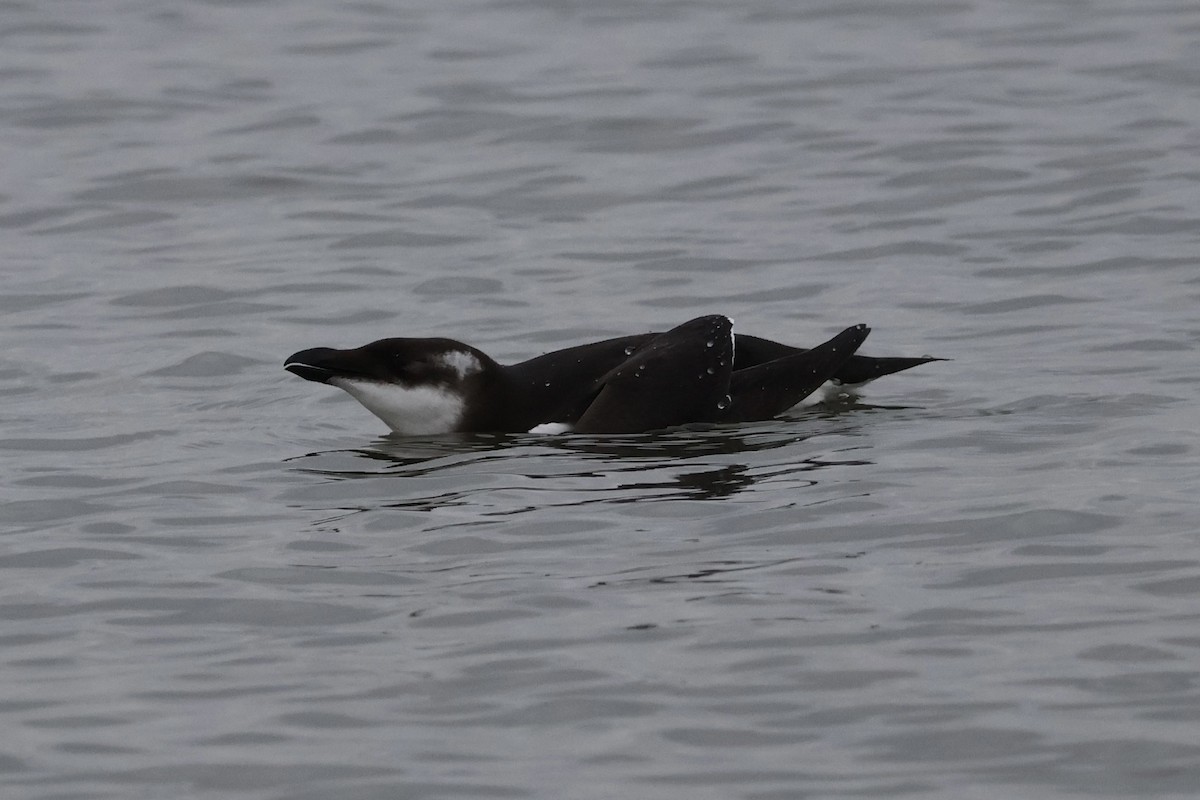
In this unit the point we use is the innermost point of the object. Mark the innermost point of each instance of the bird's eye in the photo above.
(414, 369)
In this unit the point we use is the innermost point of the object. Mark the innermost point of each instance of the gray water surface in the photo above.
(979, 580)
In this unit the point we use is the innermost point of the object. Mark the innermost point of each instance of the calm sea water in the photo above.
(219, 581)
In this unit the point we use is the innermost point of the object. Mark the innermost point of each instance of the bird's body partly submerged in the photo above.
(698, 372)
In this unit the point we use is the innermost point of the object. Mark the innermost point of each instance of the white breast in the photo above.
(831, 391)
(551, 428)
(412, 411)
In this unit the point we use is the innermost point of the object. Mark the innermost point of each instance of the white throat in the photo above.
(407, 410)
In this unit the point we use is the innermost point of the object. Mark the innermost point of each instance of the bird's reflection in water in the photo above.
(696, 463)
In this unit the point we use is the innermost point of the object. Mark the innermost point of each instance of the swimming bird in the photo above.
(697, 372)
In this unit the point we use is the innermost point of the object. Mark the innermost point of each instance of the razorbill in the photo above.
(697, 372)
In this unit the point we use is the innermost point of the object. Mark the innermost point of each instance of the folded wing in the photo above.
(676, 378)
(772, 387)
